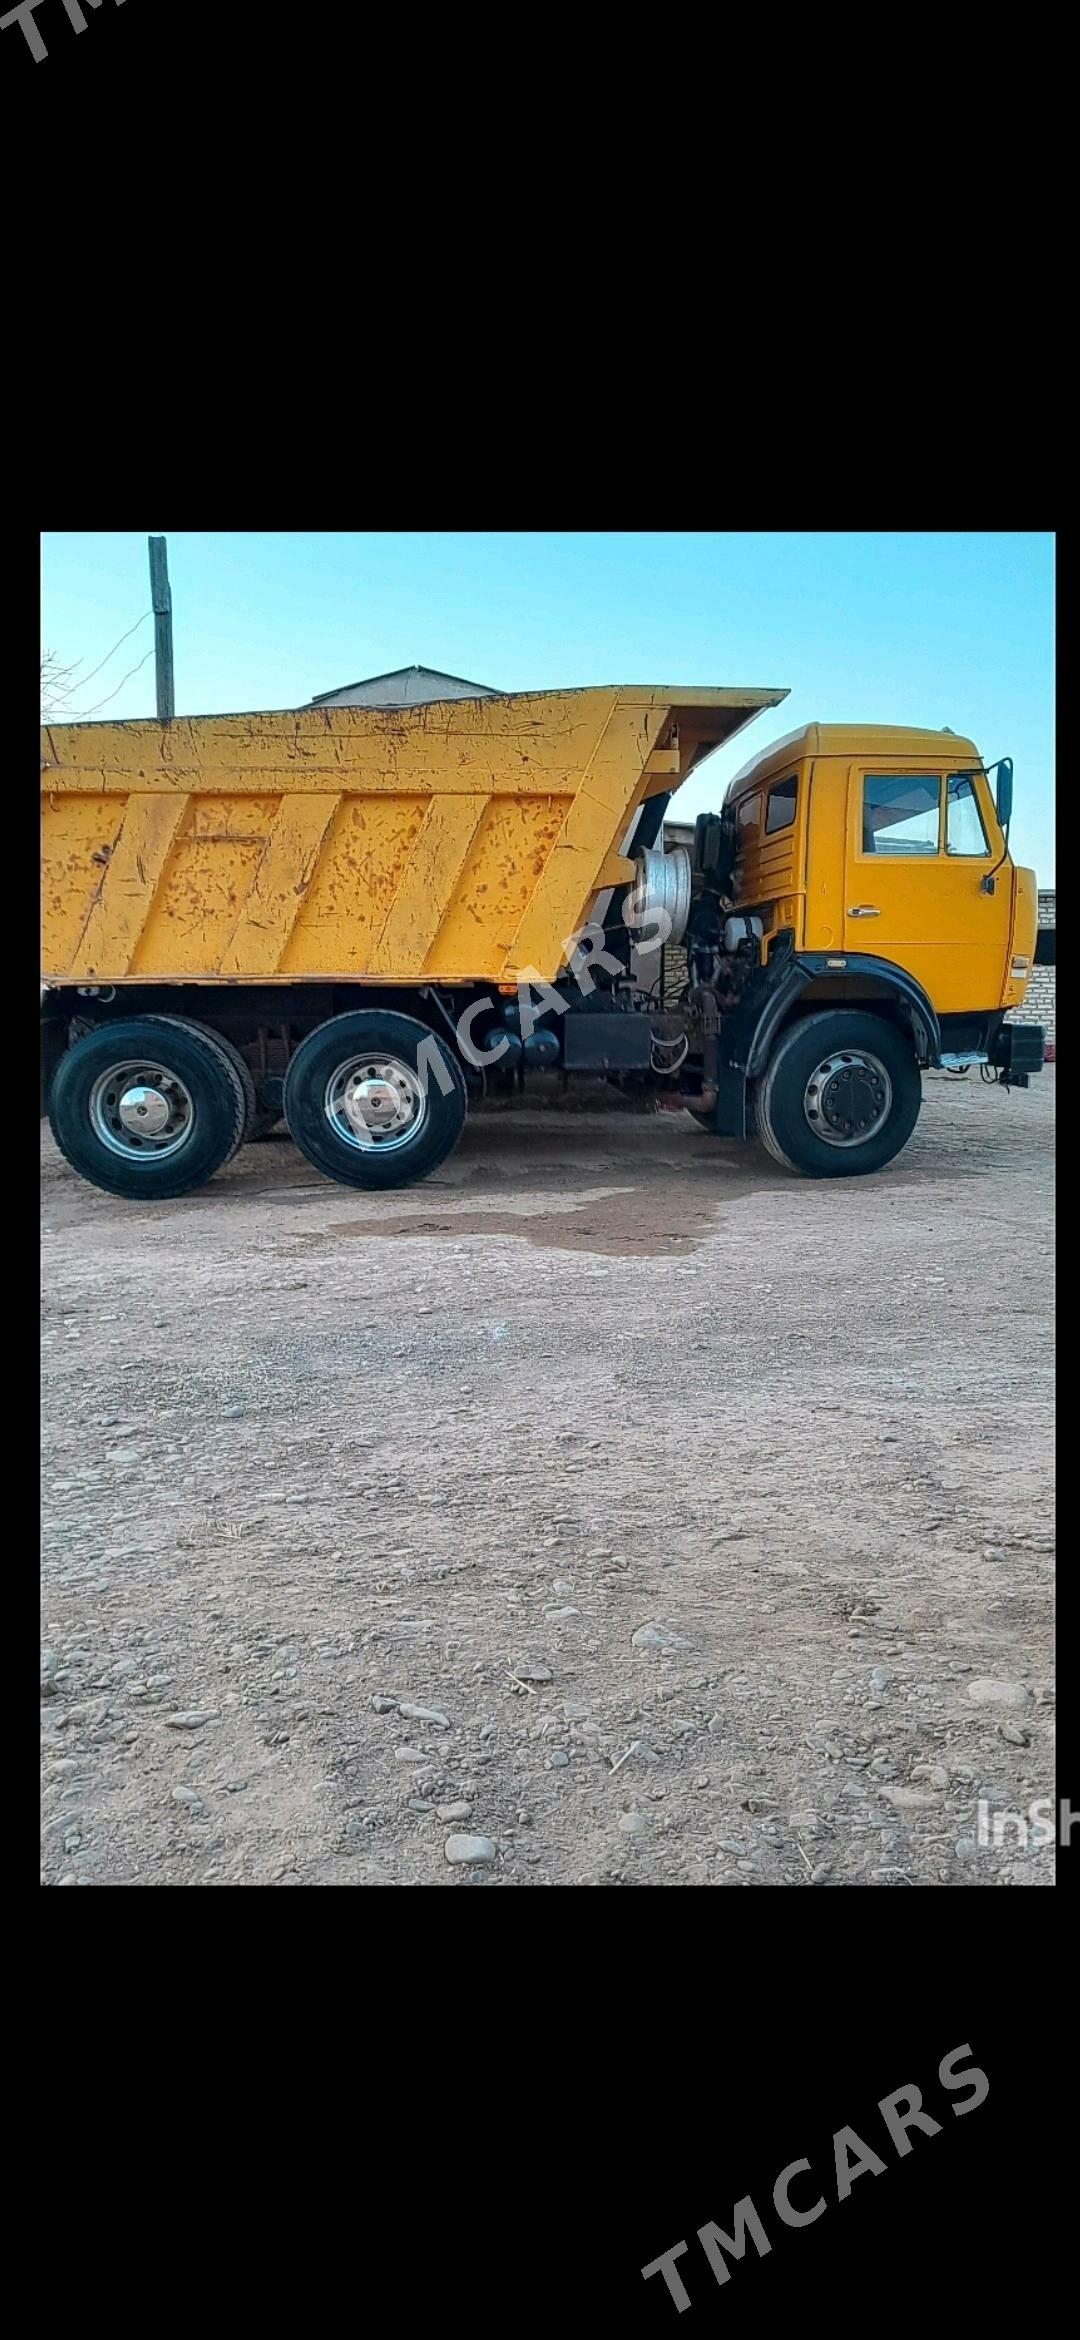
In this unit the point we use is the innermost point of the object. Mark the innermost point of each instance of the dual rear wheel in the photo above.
(148, 1106)
(374, 1099)
(152, 1106)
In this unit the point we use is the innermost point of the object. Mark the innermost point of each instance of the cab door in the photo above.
(920, 841)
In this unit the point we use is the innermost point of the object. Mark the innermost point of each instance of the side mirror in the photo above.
(1003, 793)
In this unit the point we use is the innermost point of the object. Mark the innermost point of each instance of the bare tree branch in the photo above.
(57, 684)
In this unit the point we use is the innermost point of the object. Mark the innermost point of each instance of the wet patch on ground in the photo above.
(618, 1225)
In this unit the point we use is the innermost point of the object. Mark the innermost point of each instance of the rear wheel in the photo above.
(840, 1095)
(242, 1070)
(260, 1120)
(375, 1099)
(147, 1107)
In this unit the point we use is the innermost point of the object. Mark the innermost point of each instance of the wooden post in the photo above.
(161, 598)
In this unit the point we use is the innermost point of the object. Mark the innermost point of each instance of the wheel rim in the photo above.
(141, 1110)
(848, 1098)
(375, 1102)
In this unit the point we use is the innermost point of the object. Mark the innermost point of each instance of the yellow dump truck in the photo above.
(364, 920)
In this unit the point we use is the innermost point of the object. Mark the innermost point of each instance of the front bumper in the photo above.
(1018, 1050)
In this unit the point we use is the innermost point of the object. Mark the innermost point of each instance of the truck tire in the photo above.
(147, 1107)
(375, 1099)
(840, 1095)
(242, 1071)
(258, 1123)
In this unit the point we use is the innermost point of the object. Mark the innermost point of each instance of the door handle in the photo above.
(865, 910)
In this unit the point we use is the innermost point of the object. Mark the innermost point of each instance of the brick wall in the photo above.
(1040, 1001)
(676, 973)
(1038, 1007)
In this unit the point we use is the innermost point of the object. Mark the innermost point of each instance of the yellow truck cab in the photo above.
(838, 827)
(365, 920)
(872, 864)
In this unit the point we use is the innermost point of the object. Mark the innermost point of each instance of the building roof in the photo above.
(404, 686)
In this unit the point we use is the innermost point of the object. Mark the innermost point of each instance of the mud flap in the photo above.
(729, 1118)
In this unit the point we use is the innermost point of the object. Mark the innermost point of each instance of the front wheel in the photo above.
(840, 1095)
(375, 1099)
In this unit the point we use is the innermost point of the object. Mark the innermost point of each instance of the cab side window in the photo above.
(901, 813)
(780, 806)
(964, 831)
(749, 819)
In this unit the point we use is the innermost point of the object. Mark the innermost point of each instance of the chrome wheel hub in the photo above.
(375, 1101)
(139, 1108)
(848, 1098)
(144, 1111)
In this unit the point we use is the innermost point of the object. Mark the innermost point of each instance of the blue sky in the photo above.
(939, 628)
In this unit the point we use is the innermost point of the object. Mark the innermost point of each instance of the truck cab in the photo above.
(871, 869)
(888, 842)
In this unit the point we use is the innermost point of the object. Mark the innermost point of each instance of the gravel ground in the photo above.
(612, 1508)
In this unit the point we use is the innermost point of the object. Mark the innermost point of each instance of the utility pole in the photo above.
(161, 598)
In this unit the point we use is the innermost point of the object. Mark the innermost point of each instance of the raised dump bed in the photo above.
(461, 841)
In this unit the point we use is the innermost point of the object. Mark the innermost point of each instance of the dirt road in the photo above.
(694, 1506)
